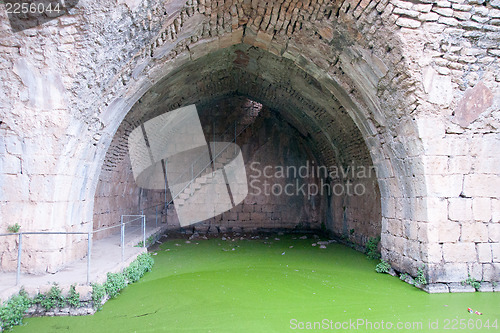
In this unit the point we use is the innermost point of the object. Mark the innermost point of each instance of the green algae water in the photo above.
(271, 285)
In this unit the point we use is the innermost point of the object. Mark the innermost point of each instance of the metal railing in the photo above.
(89, 241)
(141, 216)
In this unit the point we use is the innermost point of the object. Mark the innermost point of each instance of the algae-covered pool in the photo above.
(271, 285)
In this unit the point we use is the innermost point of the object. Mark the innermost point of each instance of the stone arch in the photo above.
(344, 75)
(347, 47)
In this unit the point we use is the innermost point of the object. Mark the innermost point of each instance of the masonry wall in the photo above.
(288, 186)
(399, 70)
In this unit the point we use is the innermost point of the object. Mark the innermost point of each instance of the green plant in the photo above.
(13, 311)
(138, 267)
(420, 280)
(149, 241)
(133, 272)
(472, 282)
(382, 267)
(371, 248)
(52, 299)
(404, 276)
(98, 293)
(114, 283)
(73, 298)
(14, 228)
(146, 261)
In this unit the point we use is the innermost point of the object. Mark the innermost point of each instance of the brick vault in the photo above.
(410, 89)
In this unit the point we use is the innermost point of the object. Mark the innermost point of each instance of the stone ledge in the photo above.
(436, 288)
(457, 287)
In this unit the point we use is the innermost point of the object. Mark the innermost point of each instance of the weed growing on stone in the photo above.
(472, 282)
(73, 298)
(12, 312)
(382, 267)
(371, 248)
(98, 293)
(420, 280)
(406, 278)
(149, 241)
(52, 299)
(138, 268)
(114, 283)
(13, 228)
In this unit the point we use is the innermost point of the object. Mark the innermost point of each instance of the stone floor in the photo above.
(105, 257)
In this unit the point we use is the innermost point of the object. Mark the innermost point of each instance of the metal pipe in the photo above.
(19, 251)
(89, 254)
(122, 239)
(143, 231)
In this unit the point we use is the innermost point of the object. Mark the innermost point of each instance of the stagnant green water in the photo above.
(205, 286)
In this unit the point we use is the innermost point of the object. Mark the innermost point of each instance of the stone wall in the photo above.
(287, 188)
(396, 71)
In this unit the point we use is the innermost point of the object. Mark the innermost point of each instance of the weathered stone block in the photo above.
(491, 272)
(474, 102)
(408, 23)
(495, 251)
(481, 209)
(457, 287)
(484, 252)
(487, 165)
(10, 164)
(449, 232)
(486, 145)
(428, 17)
(423, 8)
(495, 210)
(443, 4)
(444, 185)
(435, 165)
(494, 232)
(474, 232)
(15, 188)
(437, 209)
(481, 185)
(460, 164)
(459, 252)
(405, 12)
(13, 144)
(460, 209)
(475, 270)
(430, 127)
(443, 11)
(431, 253)
(436, 288)
(448, 272)
(395, 227)
(388, 208)
(428, 232)
(463, 16)
(413, 250)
